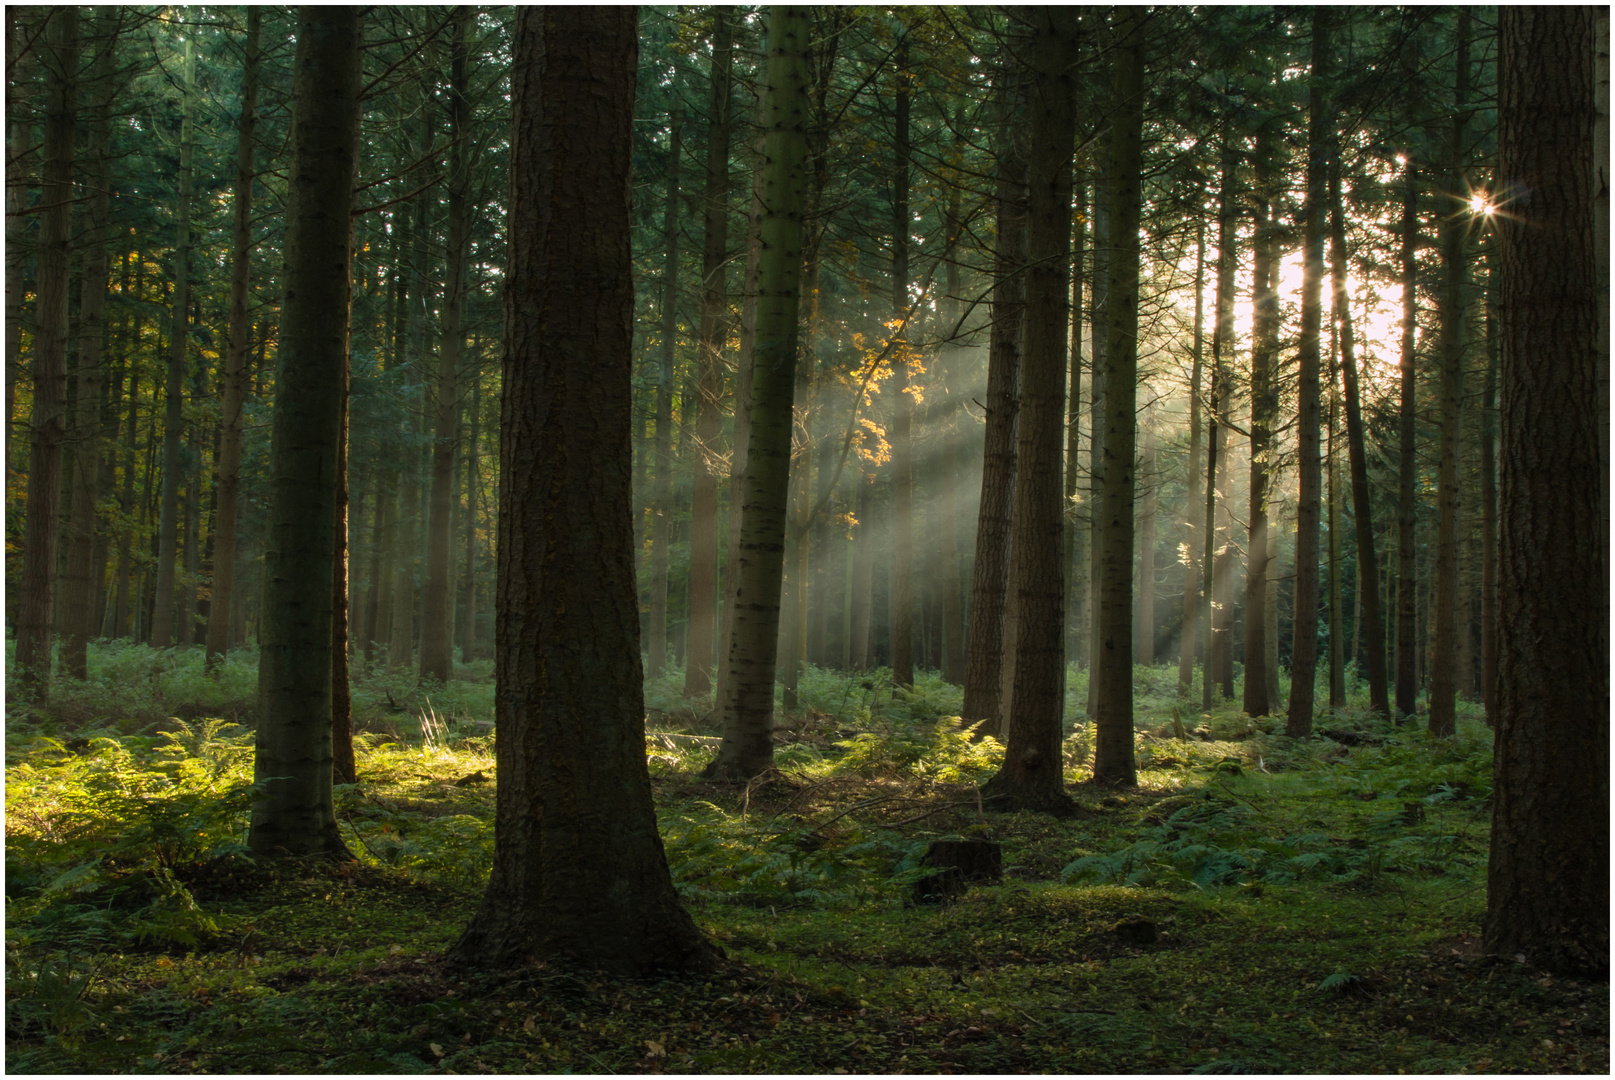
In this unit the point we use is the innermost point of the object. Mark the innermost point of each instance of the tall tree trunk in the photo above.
(709, 412)
(748, 746)
(1443, 668)
(1264, 414)
(1076, 513)
(401, 645)
(1337, 641)
(230, 419)
(1361, 497)
(1222, 349)
(1407, 681)
(1096, 415)
(579, 876)
(1548, 874)
(437, 640)
(661, 532)
(292, 812)
(80, 579)
(902, 405)
(19, 152)
(122, 623)
(1032, 774)
(1191, 551)
(984, 673)
(36, 611)
(1113, 743)
(1488, 515)
(1304, 654)
(1144, 630)
(162, 616)
(951, 586)
(1271, 603)
(468, 620)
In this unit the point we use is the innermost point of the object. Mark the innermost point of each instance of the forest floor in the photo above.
(1257, 904)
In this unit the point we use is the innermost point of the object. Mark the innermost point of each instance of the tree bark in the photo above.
(292, 814)
(1144, 630)
(1488, 513)
(1264, 413)
(661, 531)
(748, 746)
(1191, 551)
(468, 621)
(1222, 349)
(1113, 743)
(230, 419)
(1304, 652)
(35, 613)
(1454, 224)
(1407, 680)
(19, 151)
(579, 876)
(1548, 874)
(1077, 512)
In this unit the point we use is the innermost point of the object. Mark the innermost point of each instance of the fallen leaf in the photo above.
(530, 1024)
(435, 1048)
(654, 1049)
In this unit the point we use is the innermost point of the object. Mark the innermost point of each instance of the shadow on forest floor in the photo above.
(1257, 904)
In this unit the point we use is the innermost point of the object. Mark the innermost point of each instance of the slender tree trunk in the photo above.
(1548, 874)
(162, 625)
(230, 420)
(1407, 682)
(706, 460)
(1488, 519)
(1362, 501)
(1304, 655)
(1454, 224)
(80, 579)
(951, 586)
(1191, 551)
(661, 532)
(1113, 743)
(292, 812)
(902, 405)
(437, 639)
(468, 621)
(748, 746)
(1337, 642)
(1096, 413)
(1222, 348)
(401, 646)
(1270, 604)
(1144, 628)
(19, 163)
(1076, 513)
(984, 673)
(1264, 412)
(580, 877)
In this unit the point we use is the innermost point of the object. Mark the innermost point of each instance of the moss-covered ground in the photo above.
(1257, 904)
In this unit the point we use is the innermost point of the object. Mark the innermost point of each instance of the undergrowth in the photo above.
(1256, 904)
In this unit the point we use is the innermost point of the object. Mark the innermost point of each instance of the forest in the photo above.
(807, 539)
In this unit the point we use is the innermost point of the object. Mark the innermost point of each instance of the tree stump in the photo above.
(958, 863)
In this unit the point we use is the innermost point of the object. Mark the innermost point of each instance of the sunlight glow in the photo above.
(1478, 204)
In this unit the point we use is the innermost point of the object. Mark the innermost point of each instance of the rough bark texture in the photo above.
(235, 364)
(1264, 407)
(1114, 763)
(36, 609)
(437, 618)
(1361, 497)
(748, 741)
(293, 813)
(708, 458)
(579, 873)
(984, 671)
(179, 328)
(1076, 511)
(1032, 774)
(1304, 651)
(1407, 682)
(1548, 875)
(1455, 270)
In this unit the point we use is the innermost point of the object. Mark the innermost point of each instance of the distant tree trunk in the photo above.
(1264, 412)
(1270, 604)
(437, 639)
(19, 152)
(1304, 652)
(1144, 631)
(468, 622)
(984, 673)
(1191, 552)
(1077, 526)
(406, 541)
(344, 769)
(1407, 681)
(698, 667)
(902, 404)
(36, 611)
(1337, 641)
(1362, 501)
(1488, 516)
(579, 877)
(1032, 775)
(292, 814)
(1096, 417)
(81, 579)
(661, 530)
(1222, 348)
(951, 586)
(1113, 744)
(1548, 874)
(1454, 225)
(748, 746)
(162, 616)
(122, 624)
(230, 419)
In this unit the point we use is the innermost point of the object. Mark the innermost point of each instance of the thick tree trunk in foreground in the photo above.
(293, 813)
(36, 611)
(579, 873)
(235, 364)
(1304, 652)
(984, 671)
(748, 708)
(1548, 875)
(1032, 776)
(1114, 762)
(699, 654)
